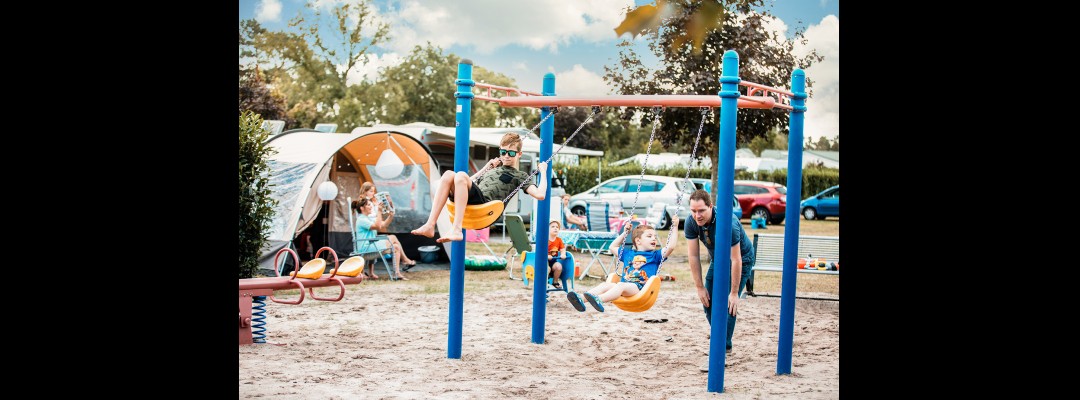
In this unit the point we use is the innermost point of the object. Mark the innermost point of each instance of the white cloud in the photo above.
(487, 25)
(268, 10)
(823, 109)
(579, 81)
(370, 70)
(520, 66)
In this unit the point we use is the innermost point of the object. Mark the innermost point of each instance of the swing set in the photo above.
(729, 100)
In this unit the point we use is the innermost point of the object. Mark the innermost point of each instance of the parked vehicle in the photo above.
(654, 189)
(762, 199)
(706, 184)
(821, 205)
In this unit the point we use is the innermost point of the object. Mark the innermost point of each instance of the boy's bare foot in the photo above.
(425, 230)
(450, 238)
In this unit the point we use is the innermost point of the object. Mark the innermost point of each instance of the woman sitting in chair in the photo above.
(572, 221)
(367, 190)
(365, 229)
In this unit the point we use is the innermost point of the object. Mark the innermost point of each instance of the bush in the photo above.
(256, 205)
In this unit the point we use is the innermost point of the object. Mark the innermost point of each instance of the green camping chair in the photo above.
(518, 237)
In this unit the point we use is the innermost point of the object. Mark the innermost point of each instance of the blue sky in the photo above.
(575, 39)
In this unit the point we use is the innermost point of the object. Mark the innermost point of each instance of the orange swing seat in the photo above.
(641, 301)
(478, 216)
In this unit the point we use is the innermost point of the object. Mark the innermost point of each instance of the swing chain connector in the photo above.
(596, 109)
(705, 110)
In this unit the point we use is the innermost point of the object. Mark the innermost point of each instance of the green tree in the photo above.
(823, 144)
(258, 97)
(311, 66)
(778, 140)
(765, 57)
(256, 205)
(421, 88)
(758, 144)
(342, 43)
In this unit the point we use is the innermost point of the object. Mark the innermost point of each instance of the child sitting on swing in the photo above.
(643, 261)
(493, 182)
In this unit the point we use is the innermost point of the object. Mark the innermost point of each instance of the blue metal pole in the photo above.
(543, 218)
(729, 114)
(464, 97)
(791, 231)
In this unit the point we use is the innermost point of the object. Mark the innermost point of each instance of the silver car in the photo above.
(654, 189)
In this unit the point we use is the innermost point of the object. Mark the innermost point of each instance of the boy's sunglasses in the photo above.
(512, 153)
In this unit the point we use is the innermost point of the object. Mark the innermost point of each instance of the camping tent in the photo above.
(392, 158)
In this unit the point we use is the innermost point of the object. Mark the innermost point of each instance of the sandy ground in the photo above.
(386, 342)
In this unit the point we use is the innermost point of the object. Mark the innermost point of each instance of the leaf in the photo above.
(707, 18)
(644, 18)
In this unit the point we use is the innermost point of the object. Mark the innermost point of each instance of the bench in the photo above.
(769, 254)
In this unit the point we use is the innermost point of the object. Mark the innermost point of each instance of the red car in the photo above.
(762, 199)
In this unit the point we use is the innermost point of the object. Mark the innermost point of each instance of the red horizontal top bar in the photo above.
(675, 100)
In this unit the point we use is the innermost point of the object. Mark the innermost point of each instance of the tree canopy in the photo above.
(765, 57)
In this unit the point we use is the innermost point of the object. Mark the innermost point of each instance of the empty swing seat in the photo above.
(641, 301)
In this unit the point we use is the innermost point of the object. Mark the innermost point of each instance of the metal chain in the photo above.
(488, 165)
(678, 198)
(656, 121)
(596, 110)
(553, 111)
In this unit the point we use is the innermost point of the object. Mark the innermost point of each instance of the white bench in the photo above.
(769, 254)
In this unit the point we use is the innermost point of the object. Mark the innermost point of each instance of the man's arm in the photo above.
(736, 276)
(693, 251)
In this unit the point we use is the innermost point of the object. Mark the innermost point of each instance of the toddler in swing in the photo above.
(638, 266)
(495, 181)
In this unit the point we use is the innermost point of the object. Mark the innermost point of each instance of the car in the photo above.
(654, 189)
(762, 199)
(821, 205)
(706, 185)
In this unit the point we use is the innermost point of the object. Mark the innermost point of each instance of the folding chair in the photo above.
(368, 249)
(519, 239)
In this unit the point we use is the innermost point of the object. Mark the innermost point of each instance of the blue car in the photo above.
(821, 205)
(706, 184)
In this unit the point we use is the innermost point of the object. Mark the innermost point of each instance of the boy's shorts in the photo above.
(475, 195)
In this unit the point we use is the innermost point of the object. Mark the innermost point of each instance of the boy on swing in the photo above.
(638, 265)
(496, 180)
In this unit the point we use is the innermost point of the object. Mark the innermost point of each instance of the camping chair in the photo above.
(519, 239)
(368, 249)
(598, 215)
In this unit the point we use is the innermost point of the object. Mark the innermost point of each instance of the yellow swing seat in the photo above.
(641, 301)
(478, 216)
